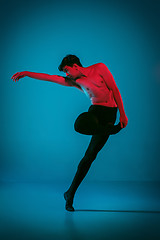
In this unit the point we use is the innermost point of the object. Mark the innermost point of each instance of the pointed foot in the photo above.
(69, 202)
(114, 129)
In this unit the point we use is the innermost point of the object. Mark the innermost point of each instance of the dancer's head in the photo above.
(71, 65)
(69, 60)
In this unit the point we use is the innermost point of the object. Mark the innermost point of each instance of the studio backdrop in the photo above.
(38, 141)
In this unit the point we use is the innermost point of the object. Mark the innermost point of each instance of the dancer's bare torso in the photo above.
(95, 87)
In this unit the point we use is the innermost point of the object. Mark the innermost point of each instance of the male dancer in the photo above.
(98, 83)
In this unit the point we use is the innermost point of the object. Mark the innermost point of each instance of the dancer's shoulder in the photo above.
(98, 65)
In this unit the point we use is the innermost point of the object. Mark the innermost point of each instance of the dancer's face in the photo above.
(72, 72)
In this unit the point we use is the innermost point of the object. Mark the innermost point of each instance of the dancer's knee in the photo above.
(91, 155)
(86, 123)
(87, 160)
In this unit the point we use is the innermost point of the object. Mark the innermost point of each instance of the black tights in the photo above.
(98, 122)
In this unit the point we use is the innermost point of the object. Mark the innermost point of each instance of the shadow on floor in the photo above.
(128, 211)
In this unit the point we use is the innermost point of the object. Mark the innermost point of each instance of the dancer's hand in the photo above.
(18, 75)
(123, 121)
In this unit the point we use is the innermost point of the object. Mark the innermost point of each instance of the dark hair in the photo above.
(69, 60)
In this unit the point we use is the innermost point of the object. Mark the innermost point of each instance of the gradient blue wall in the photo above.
(38, 141)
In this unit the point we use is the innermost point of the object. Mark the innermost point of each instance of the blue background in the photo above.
(38, 141)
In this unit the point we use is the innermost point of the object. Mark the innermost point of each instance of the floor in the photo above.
(103, 210)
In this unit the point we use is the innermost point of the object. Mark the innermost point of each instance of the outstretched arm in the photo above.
(109, 80)
(42, 76)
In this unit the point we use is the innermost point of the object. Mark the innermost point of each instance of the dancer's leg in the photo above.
(88, 124)
(96, 144)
